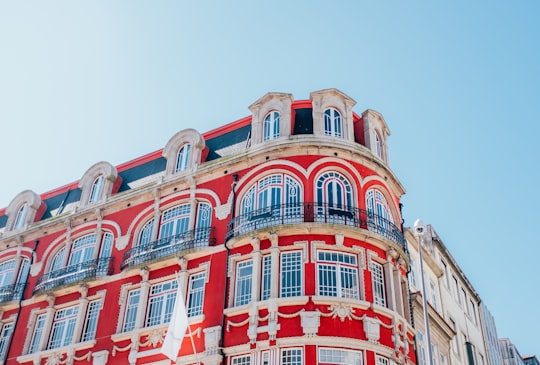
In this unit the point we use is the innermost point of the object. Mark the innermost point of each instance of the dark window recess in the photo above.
(303, 121)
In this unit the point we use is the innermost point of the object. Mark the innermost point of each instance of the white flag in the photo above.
(177, 328)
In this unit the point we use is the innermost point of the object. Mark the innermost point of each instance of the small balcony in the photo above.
(11, 292)
(72, 274)
(168, 246)
(315, 212)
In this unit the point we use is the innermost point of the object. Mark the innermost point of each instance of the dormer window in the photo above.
(332, 123)
(98, 183)
(183, 158)
(97, 190)
(20, 218)
(271, 126)
(25, 209)
(184, 152)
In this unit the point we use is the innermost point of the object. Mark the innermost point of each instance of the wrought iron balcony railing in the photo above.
(74, 273)
(168, 246)
(315, 212)
(11, 292)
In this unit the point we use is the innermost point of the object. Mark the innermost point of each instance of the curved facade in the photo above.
(282, 229)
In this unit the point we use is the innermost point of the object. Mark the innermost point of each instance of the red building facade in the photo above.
(282, 229)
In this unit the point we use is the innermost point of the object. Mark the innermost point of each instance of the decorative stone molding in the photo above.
(33, 211)
(376, 132)
(187, 136)
(122, 242)
(110, 184)
(310, 322)
(333, 98)
(278, 102)
(100, 357)
(340, 238)
(212, 337)
(372, 328)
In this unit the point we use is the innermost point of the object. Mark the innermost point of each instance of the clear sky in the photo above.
(457, 82)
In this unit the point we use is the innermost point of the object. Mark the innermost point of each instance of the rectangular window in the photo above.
(134, 297)
(266, 276)
(38, 333)
(445, 273)
(472, 311)
(5, 335)
(265, 358)
(291, 274)
(292, 357)
(377, 278)
(244, 278)
(196, 294)
(412, 274)
(455, 345)
(433, 295)
(241, 360)
(456, 289)
(330, 356)
(337, 274)
(91, 320)
(63, 327)
(382, 360)
(464, 300)
(161, 303)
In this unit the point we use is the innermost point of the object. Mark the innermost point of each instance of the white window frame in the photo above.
(241, 360)
(291, 273)
(334, 274)
(292, 356)
(130, 313)
(271, 126)
(243, 282)
(196, 291)
(91, 320)
(160, 305)
(6, 331)
(333, 123)
(183, 158)
(335, 356)
(378, 283)
(20, 218)
(63, 327)
(96, 192)
(266, 279)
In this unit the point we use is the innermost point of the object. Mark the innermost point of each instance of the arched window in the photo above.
(182, 158)
(7, 273)
(273, 199)
(12, 279)
(378, 146)
(271, 126)
(332, 123)
(78, 261)
(20, 217)
(334, 199)
(376, 204)
(180, 229)
(97, 190)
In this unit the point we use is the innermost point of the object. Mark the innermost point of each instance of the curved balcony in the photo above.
(168, 246)
(315, 212)
(74, 274)
(11, 292)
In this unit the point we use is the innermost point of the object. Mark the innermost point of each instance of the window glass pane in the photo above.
(90, 323)
(377, 278)
(182, 160)
(266, 276)
(5, 335)
(161, 303)
(130, 317)
(7, 271)
(241, 360)
(196, 294)
(21, 215)
(97, 189)
(244, 272)
(82, 249)
(38, 333)
(175, 221)
(291, 274)
(339, 357)
(146, 233)
(292, 357)
(63, 327)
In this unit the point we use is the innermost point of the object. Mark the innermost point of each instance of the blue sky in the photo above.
(457, 82)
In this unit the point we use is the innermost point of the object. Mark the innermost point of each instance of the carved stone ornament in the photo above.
(122, 242)
(372, 328)
(100, 357)
(310, 322)
(341, 310)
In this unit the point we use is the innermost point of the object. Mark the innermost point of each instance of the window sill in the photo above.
(123, 336)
